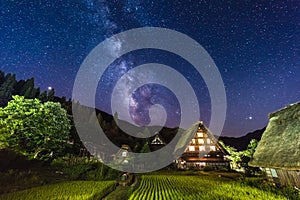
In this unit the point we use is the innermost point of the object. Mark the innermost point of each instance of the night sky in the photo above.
(255, 45)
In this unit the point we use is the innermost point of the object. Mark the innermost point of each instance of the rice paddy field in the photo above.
(73, 190)
(159, 187)
(155, 186)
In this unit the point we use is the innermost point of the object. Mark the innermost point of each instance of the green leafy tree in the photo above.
(6, 89)
(35, 129)
(43, 96)
(251, 148)
(51, 95)
(29, 83)
(234, 156)
(146, 148)
(19, 87)
(247, 155)
(240, 159)
(30, 93)
(2, 77)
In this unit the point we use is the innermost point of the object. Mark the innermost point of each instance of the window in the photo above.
(200, 134)
(124, 154)
(208, 141)
(200, 141)
(200, 164)
(193, 141)
(202, 148)
(274, 173)
(191, 148)
(212, 148)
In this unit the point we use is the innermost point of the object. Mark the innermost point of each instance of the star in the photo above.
(258, 60)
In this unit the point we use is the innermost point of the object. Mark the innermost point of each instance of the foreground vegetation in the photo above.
(163, 185)
(197, 187)
(76, 190)
(42, 157)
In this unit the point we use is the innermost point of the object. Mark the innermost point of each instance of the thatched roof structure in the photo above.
(280, 143)
(157, 140)
(202, 144)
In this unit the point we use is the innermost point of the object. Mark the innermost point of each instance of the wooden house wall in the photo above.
(289, 177)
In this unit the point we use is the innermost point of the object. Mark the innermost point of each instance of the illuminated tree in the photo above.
(234, 156)
(35, 129)
(240, 159)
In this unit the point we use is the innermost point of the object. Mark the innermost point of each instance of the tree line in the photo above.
(25, 111)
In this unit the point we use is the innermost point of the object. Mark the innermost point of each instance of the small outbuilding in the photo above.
(122, 156)
(278, 152)
(157, 143)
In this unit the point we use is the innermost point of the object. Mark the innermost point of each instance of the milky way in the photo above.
(255, 45)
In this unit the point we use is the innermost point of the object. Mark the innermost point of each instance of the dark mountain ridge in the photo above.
(9, 86)
(241, 143)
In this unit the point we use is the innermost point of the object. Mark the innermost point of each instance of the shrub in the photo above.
(37, 130)
(291, 193)
(81, 168)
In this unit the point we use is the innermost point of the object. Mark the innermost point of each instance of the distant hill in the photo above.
(9, 86)
(241, 143)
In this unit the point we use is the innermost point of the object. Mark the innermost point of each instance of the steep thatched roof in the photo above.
(280, 144)
(190, 133)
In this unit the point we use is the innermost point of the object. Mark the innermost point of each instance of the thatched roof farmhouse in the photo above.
(203, 150)
(278, 152)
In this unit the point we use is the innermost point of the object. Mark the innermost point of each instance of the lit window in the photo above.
(193, 141)
(200, 134)
(191, 148)
(124, 154)
(200, 164)
(208, 141)
(212, 148)
(200, 141)
(202, 148)
(274, 173)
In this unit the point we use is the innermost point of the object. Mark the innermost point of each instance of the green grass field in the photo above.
(73, 190)
(197, 187)
(158, 186)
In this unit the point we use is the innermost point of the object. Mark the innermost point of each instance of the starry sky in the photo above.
(255, 45)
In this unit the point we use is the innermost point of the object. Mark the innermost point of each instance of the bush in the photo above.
(291, 193)
(14, 180)
(34, 129)
(81, 168)
(287, 191)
